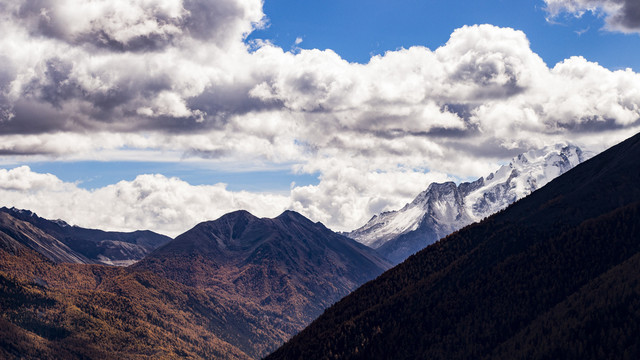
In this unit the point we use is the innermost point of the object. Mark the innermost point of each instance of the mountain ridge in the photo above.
(15, 233)
(281, 272)
(235, 287)
(446, 207)
(92, 246)
(487, 284)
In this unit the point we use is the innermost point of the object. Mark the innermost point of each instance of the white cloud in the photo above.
(22, 179)
(173, 78)
(343, 200)
(484, 86)
(621, 15)
(347, 195)
(138, 24)
(166, 205)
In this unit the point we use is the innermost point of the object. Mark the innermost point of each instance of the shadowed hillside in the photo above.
(559, 262)
(75, 244)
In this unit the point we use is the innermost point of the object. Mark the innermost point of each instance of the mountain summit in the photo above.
(444, 208)
(273, 275)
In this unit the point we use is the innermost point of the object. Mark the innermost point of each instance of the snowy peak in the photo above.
(525, 173)
(446, 207)
(442, 201)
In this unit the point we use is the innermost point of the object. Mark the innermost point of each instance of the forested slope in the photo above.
(493, 287)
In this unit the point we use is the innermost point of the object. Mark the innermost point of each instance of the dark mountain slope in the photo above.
(599, 321)
(94, 246)
(16, 234)
(477, 289)
(279, 273)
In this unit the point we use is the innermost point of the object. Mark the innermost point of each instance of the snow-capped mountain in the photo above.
(444, 208)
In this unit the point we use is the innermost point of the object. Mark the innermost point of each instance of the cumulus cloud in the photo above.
(171, 206)
(166, 205)
(22, 179)
(120, 65)
(621, 15)
(482, 77)
(112, 79)
(347, 196)
(484, 86)
(140, 24)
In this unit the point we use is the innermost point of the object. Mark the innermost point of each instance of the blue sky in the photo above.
(188, 118)
(96, 174)
(358, 29)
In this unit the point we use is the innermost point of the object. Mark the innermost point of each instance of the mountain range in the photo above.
(446, 207)
(549, 275)
(61, 242)
(553, 276)
(235, 288)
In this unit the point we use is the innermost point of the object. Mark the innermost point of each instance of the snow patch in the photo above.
(447, 207)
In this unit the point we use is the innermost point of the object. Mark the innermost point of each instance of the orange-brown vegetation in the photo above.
(192, 299)
(275, 275)
(53, 311)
